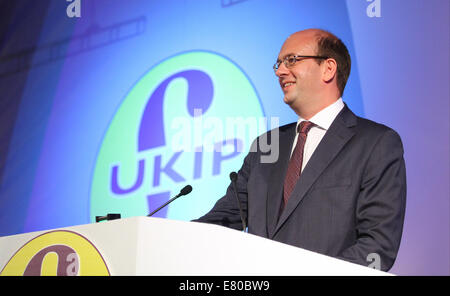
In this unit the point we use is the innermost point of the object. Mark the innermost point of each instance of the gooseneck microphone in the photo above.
(233, 178)
(186, 190)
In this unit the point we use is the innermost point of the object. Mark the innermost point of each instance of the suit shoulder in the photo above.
(274, 134)
(284, 128)
(290, 127)
(375, 130)
(287, 127)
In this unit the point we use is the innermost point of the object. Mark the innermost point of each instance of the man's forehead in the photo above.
(311, 34)
(295, 45)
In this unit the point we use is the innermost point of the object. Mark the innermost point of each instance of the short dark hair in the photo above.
(332, 47)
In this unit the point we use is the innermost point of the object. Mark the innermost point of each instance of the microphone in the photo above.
(108, 217)
(233, 178)
(186, 190)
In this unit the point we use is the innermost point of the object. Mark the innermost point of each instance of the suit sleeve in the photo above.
(226, 211)
(380, 208)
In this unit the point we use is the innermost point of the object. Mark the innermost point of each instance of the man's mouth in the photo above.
(285, 85)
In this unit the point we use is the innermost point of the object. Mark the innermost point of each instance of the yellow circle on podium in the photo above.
(59, 252)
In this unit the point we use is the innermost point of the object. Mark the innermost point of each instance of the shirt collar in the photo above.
(325, 117)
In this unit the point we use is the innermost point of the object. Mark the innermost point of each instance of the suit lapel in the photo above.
(277, 175)
(331, 144)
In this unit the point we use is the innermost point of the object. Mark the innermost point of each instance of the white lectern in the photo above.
(154, 246)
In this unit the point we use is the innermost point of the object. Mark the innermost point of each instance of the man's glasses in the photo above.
(290, 60)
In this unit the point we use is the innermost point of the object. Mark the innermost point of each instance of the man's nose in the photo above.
(282, 70)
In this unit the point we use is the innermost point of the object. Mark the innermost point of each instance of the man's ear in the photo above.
(329, 69)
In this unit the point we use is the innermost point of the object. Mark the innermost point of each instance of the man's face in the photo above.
(300, 82)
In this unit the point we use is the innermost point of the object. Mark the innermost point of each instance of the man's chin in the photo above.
(288, 100)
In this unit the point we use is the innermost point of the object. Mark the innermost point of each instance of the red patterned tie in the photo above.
(295, 163)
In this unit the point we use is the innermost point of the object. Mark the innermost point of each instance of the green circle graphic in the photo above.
(234, 100)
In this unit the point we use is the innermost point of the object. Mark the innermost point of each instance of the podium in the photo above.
(155, 246)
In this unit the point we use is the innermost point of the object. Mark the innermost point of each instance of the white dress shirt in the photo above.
(322, 121)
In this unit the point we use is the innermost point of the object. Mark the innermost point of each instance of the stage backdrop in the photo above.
(112, 106)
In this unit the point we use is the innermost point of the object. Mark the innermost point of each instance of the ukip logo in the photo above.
(140, 164)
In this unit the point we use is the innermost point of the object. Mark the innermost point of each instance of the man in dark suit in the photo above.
(338, 186)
